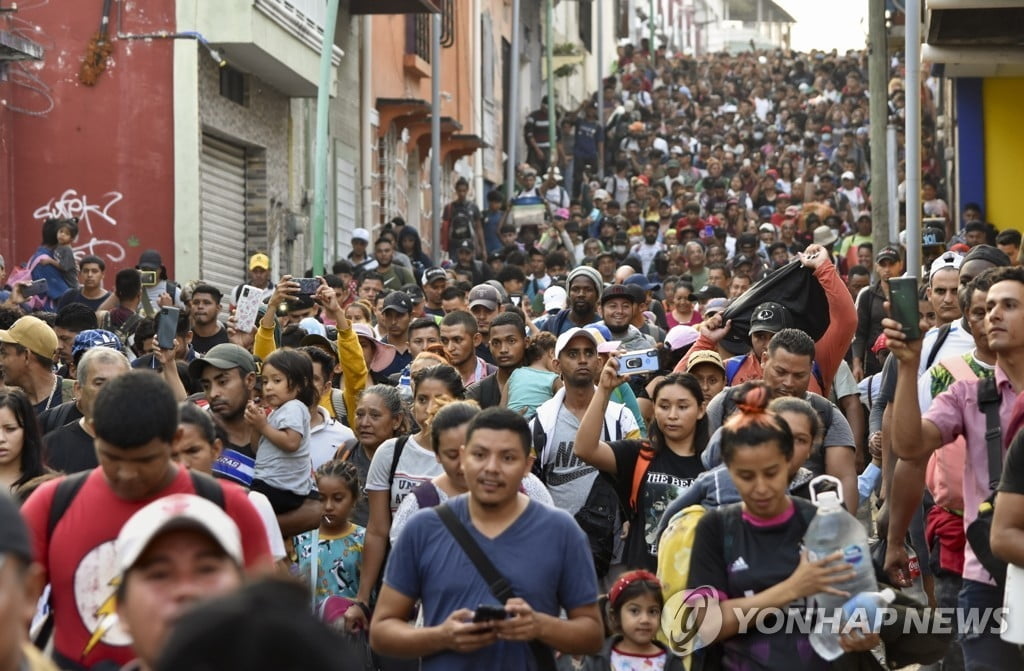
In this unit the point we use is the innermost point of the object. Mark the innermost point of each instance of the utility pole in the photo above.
(878, 68)
(435, 135)
(512, 123)
(549, 54)
(912, 50)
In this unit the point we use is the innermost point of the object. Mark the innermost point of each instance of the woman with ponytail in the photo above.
(647, 475)
(747, 559)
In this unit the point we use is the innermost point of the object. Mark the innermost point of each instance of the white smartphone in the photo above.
(248, 307)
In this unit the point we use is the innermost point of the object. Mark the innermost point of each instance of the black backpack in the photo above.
(461, 228)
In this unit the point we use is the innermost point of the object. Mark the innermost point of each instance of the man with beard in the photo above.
(619, 304)
(207, 331)
(228, 377)
(584, 286)
(507, 341)
(393, 275)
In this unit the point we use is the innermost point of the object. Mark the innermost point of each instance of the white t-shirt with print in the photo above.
(416, 464)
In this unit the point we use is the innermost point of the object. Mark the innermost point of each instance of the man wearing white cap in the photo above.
(172, 553)
(360, 255)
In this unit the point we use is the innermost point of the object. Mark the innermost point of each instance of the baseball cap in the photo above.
(617, 291)
(932, 237)
(574, 332)
(705, 356)
(880, 343)
(150, 260)
(33, 334)
(767, 227)
(172, 513)
(601, 194)
(770, 316)
(414, 293)
(224, 356)
(562, 213)
(887, 254)
(383, 353)
(847, 175)
(742, 259)
(709, 291)
(642, 282)
(361, 234)
(434, 274)
(311, 325)
(680, 335)
(485, 295)
(259, 261)
(464, 244)
(86, 340)
(398, 301)
(946, 260)
(554, 298)
(715, 305)
(321, 341)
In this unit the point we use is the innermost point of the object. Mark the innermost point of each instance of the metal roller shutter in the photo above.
(222, 228)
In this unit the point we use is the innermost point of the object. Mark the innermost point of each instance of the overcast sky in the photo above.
(840, 24)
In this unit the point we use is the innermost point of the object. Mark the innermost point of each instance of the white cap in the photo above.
(767, 227)
(848, 175)
(601, 194)
(574, 332)
(676, 149)
(169, 513)
(681, 335)
(554, 298)
(946, 260)
(360, 234)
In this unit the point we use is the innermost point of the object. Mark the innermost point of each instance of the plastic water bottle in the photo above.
(405, 385)
(833, 530)
(865, 610)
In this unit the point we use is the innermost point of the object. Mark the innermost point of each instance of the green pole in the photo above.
(549, 49)
(323, 103)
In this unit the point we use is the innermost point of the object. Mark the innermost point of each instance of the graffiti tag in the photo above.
(91, 216)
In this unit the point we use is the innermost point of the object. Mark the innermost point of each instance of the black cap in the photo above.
(434, 274)
(414, 292)
(618, 291)
(887, 254)
(709, 291)
(771, 317)
(742, 259)
(150, 260)
(13, 532)
(465, 244)
(933, 237)
(397, 301)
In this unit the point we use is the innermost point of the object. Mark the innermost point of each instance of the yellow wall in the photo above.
(1004, 150)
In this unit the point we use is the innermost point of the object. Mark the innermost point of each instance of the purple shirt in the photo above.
(955, 413)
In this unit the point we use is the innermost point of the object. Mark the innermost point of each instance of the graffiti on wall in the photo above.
(97, 223)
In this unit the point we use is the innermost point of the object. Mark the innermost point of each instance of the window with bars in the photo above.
(417, 35)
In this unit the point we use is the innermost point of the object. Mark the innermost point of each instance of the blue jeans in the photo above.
(984, 650)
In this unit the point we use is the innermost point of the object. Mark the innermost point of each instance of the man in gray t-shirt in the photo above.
(787, 371)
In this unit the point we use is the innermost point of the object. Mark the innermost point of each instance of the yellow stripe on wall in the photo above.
(1004, 150)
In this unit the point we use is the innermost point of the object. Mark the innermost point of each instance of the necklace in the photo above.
(53, 390)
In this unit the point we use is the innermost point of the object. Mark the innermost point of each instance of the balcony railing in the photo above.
(303, 18)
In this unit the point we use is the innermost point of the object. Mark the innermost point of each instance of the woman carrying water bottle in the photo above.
(748, 556)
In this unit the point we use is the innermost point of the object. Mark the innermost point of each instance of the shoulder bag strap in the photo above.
(989, 400)
(499, 586)
(496, 582)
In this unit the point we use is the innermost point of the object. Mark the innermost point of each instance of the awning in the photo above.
(395, 7)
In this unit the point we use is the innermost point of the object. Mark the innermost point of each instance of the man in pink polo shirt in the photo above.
(954, 413)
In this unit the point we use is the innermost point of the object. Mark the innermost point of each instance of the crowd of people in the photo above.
(485, 462)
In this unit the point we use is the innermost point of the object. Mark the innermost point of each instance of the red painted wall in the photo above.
(103, 153)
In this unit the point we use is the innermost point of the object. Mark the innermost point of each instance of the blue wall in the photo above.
(971, 145)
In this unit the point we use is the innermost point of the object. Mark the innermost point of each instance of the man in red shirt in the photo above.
(135, 419)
